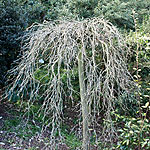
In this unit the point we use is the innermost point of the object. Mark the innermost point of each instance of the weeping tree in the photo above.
(96, 49)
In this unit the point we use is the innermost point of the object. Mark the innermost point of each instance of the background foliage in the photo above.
(17, 15)
(11, 26)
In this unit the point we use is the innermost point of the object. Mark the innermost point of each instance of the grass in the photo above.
(72, 141)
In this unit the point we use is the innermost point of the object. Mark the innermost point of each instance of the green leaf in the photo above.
(131, 132)
(146, 105)
(144, 144)
(127, 141)
(147, 96)
(140, 121)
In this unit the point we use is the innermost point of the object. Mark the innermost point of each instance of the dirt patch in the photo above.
(3, 115)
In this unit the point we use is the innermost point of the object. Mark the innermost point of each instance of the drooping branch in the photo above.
(96, 47)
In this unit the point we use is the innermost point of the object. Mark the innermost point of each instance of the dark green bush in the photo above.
(15, 16)
(11, 26)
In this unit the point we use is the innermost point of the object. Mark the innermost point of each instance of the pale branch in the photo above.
(58, 44)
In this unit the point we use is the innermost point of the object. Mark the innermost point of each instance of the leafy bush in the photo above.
(15, 16)
(135, 132)
(11, 26)
(139, 42)
(119, 12)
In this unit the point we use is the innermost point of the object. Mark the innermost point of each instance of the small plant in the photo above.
(135, 132)
(72, 141)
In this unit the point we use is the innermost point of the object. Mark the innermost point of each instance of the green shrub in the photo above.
(15, 17)
(134, 128)
(135, 132)
(11, 26)
(119, 12)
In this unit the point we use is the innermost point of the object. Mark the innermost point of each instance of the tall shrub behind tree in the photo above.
(15, 16)
(11, 26)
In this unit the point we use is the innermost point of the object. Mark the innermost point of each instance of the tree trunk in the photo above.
(83, 103)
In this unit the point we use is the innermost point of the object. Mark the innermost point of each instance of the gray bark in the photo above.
(83, 102)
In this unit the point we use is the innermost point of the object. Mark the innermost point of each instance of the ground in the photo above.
(15, 135)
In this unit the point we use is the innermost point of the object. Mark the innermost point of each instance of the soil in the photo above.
(11, 141)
